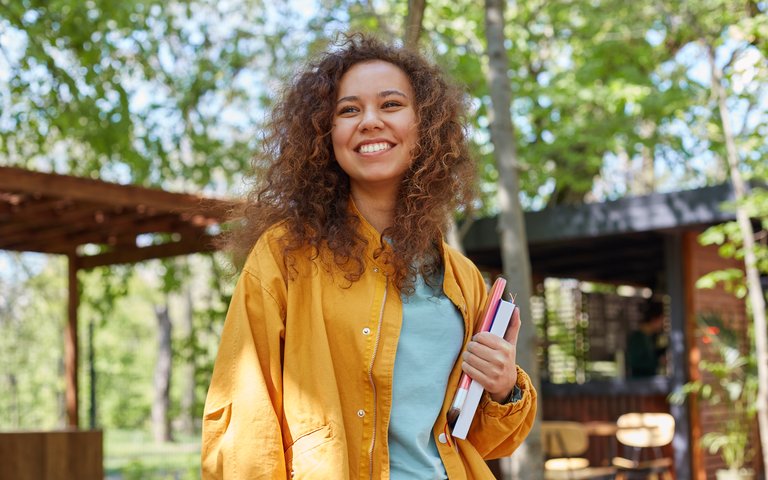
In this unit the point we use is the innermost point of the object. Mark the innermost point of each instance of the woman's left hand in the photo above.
(491, 360)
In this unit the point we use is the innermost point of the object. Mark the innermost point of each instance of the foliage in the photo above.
(124, 350)
(609, 98)
(570, 108)
(132, 454)
(139, 91)
(32, 319)
(730, 379)
(728, 239)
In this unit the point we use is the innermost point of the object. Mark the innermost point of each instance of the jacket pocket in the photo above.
(217, 420)
(215, 424)
(314, 454)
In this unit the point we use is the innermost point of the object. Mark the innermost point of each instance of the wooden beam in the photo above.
(126, 255)
(67, 213)
(25, 181)
(71, 346)
(94, 231)
(33, 205)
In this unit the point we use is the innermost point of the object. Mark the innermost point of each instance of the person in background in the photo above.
(644, 353)
(352, 319)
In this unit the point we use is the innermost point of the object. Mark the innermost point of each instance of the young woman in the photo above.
(352, 320)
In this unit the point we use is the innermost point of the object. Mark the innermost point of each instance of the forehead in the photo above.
(373, 77)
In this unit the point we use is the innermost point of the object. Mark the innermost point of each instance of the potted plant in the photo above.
(729, 377)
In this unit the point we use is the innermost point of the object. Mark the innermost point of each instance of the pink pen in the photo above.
(490, 312)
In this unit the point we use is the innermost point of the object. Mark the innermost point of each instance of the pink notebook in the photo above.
(464, 382)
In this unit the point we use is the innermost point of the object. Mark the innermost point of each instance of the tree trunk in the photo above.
(413, 27)
(413, 21)
(454, 236)
(15, 407)
(187, 423)
(646, 178)
(161, 422)
(755, 291)
(527, 463)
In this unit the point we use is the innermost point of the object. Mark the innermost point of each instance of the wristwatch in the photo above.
(514, 396)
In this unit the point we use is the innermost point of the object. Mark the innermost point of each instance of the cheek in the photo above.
(413, 135)
(413, 127)
(339, 151)
(339, 133)
(335, 140)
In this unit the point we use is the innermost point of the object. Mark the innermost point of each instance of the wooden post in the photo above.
(70, 344)
(678, 284)
(690, 275)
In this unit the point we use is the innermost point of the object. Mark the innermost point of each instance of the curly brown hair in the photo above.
(299, 183)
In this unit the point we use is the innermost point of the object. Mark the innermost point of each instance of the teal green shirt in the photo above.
(430, 341)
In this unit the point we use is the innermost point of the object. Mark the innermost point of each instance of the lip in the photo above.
(375, 140)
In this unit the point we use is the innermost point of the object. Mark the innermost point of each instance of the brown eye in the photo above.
(347, 109)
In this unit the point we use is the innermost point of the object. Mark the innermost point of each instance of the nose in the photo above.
(370, 120)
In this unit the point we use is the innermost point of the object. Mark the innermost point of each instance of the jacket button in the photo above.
(442, 438)
(361, 413)
(375, 269)
(366, 331)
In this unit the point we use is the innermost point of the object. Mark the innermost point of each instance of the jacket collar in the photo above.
(369, 232)
(372, 237)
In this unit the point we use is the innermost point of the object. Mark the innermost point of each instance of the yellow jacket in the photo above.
(302, 384)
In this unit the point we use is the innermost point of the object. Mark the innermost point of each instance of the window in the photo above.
(584, 328)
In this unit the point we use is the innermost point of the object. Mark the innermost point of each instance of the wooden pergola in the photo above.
(64, 215)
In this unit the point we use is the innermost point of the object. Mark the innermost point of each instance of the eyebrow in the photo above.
(382, 94)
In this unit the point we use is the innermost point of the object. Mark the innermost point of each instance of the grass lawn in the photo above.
(134, 455)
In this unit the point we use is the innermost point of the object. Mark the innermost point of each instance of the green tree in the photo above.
(733, 37)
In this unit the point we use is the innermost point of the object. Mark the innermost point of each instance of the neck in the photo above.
(378, 210)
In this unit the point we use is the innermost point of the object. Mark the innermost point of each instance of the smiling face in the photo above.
(374, 127)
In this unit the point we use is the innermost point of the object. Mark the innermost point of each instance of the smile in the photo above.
(375, 147)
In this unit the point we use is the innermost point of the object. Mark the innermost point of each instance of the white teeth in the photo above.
(374, 147)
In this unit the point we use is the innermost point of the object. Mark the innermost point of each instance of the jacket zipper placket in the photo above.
(373, 384)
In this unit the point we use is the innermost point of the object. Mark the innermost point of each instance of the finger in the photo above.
(492, 349)
(491, 379)
(475, 374)
(488, 339)
(484, 361)
(514, 328)
(493, 361)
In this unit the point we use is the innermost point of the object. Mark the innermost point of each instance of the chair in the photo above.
(564, 442)
(639, 431)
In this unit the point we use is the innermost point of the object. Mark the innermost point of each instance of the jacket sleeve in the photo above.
(241, 435)
(499, 429)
